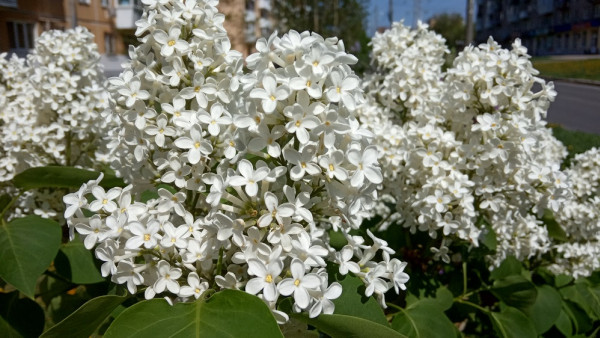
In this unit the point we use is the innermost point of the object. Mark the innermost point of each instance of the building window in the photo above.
(104, 3)
(87, 2)
(21, 35)
(8, 3)
(109, 43)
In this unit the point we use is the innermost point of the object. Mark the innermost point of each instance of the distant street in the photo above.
(577, 107)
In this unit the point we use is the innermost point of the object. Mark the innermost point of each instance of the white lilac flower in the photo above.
(300, 284)
(457, 146)
(51, 108)
(248, 181)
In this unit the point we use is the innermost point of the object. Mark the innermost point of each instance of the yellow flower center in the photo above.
(297, 282)
(331, 167)
(172, 43)
(146, 237)
(269, 279)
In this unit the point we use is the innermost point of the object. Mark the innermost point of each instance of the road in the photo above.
(577, 107)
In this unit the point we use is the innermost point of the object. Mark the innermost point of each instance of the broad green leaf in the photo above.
(510, 266)
(62, 177)
(512, 323)
(423, 319)
(515, 291)
(7, 330)
(546, 309)
(343, 326)
(555, 231)
(229, 313)
(84, 321)
(21, 316)
(562, 280)
(591, 295)
(153, 193)
(353, 301)
(563, 323)
(489, 238)
(581, 321)
(443, 297)
(27, 247)
(581, 294)
(337, 239)
(76, 263)
(4, 201)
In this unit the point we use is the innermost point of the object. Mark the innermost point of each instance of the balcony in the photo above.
(8, 3)
(127, 13)
(264, 4)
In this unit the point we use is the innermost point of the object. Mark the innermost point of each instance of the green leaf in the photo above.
(4, 201)
(348, 326)
(229, 313)
(21, 316)
(84, 321)
(423, 318)
(510, 266)
(76, 263)
(563, 323)
(489, 238)
(515, 291)
(512, 323)
(7, 330)
(585, 296)
(153, 193)
(27, 247)
(337, 239)
(546, 309)
(443, 297)
(591, 295)
(555, 231)
(562, 280)
(62, 177)
(353, 301)
(581, 321)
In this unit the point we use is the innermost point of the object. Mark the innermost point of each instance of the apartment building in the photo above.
(113, 22)
(21, 21)
(545, 26)
(246, 21)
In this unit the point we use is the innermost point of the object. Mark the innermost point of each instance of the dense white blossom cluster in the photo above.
(254, 170)
(16, 110)
(462, 152)
(580, 218)
(51, 112)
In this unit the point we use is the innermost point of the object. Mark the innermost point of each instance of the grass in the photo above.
(572, 69)
(575, 141)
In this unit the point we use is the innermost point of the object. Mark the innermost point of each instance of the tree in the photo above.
(342, 18)
(452, 27)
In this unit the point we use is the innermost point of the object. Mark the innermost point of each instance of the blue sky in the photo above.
(403, 9)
